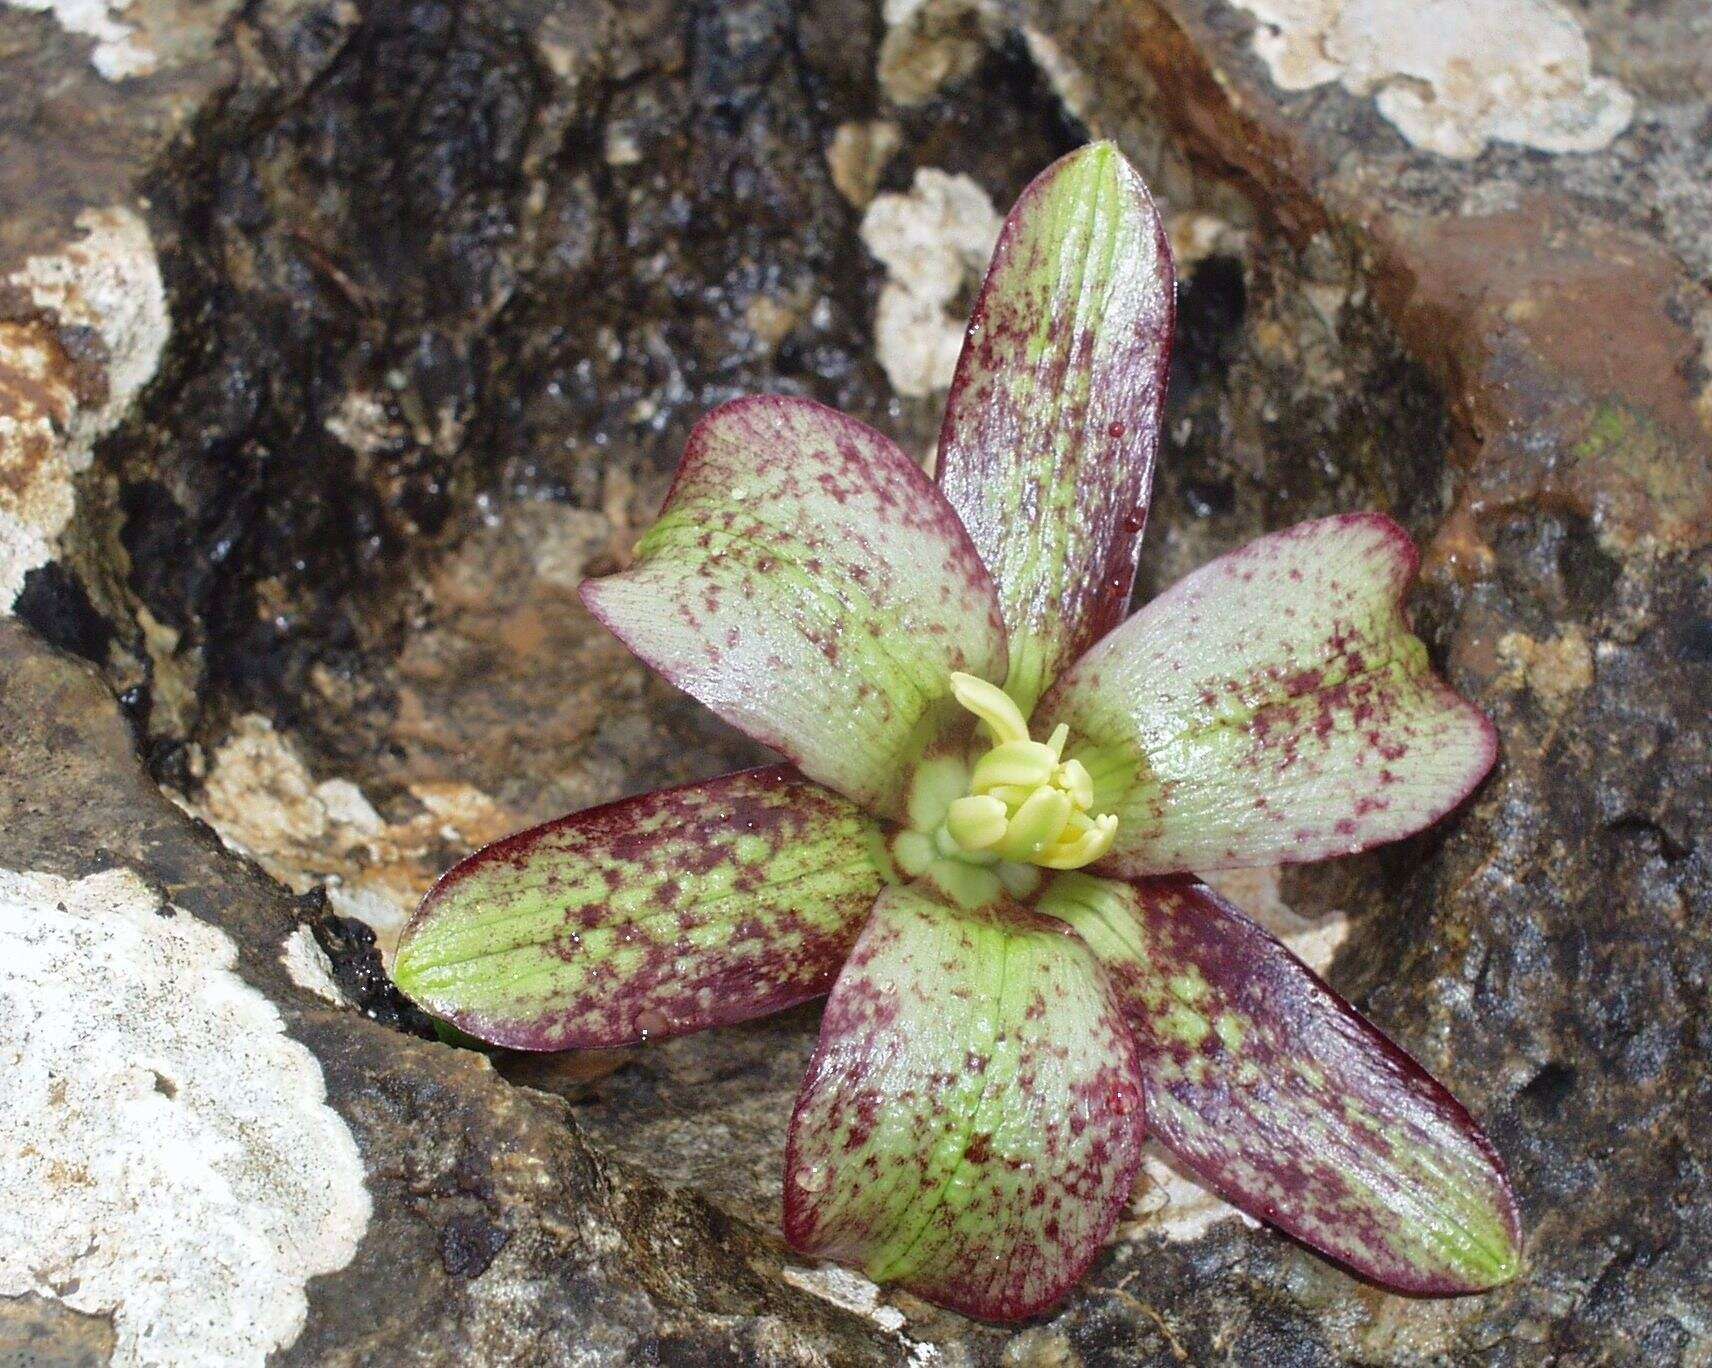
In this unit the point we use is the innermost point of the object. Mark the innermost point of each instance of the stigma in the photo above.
(1026, 802)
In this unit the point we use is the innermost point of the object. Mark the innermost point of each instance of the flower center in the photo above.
(1026, 802)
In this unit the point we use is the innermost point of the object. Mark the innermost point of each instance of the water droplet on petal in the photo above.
(814, 1178)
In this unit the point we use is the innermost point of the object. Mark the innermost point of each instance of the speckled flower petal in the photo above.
(1274, 1091)
(692, 907)
(1272, 707)
(1050, 432)
(971, 1122)
(808, 583)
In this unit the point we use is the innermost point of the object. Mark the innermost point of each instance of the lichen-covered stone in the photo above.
(447, 287)
(492, 1232)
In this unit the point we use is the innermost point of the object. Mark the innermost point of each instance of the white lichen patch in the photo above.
(138, 38)
(260, 796)
(37, 400)
(1452, 75)
(307, 965)
(382, 912)
(850, 1290)
(933, 241)
(109, 283)
(167, 1155)
(1072, 85)
(119, 50)
(363, 422)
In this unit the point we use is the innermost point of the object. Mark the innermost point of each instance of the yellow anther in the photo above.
(1072, 776)
(992, 705)
(1079, 822)
(1026, 764)
(977, 822)
(1085, 849)
(1037, 824)
(1025, 804)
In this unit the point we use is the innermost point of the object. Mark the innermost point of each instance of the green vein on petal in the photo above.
(691, 907)
(808, 583)
(1053, 420)
(971, 1122)
(1272, 707)
(1275, 1092)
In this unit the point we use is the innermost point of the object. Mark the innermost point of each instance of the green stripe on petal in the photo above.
(1275, 1092)
(691, 907)
(1272, 707)
(971, 1121)
(1053, 421)
(808, 583)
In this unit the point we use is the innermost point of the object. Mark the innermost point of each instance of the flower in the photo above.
(997, 791)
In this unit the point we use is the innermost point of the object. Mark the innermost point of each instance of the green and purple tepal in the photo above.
(998, 795)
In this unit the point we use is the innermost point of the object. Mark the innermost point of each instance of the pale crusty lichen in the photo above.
(1452, 75)
(119, 51)
(930, 44)
(307, 965)
(52, 413)
(857, 156)
(934, 241)
(170, 1160)
(259, 794)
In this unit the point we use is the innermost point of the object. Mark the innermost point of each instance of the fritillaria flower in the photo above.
(997, 792)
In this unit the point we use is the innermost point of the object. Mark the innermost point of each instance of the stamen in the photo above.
(1026, 804)
(1038, 823)
(977, 822)
(1073, 777)
(1025, 763)
(1085, 849)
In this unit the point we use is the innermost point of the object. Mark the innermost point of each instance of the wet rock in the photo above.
(483, 1227)
(1520, 343)
(443, 287)
(42, 1330)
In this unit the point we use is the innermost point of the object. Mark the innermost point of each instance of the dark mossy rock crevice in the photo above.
(450, 282)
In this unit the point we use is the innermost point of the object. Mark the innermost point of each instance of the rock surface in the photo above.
(406, 314)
